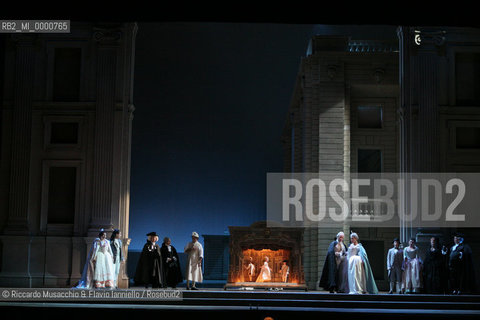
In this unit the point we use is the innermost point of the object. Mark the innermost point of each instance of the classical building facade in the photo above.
(409, 104)
(65, 149)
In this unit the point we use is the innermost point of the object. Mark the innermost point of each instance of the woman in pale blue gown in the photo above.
(360, 276)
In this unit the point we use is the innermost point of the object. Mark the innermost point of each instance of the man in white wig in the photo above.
(194, 262)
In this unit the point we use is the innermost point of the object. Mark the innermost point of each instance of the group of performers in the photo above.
(443, 270)
(160, 266)
(347, 270)
(265, 273)
(103, 262)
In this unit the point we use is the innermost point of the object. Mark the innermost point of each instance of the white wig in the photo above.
(340, 234)
(353, 235)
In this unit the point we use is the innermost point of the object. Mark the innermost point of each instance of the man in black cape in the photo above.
(460, 264)
(149, 267)
(171, 264)
(333, 276)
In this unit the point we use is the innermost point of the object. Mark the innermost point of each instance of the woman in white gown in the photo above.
(360, 276)
(265, 272)
(103, 276)
(412, 275)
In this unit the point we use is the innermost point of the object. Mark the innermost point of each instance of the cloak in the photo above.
(171, 269)
(327, 281)
(86, 282)
(149, 267)
(370, 281)
(464, 267)
(434, 272)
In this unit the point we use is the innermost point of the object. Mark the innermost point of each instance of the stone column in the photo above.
(108, 41)
(21, 136)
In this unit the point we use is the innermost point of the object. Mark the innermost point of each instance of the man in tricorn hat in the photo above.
(460, 265)
(194, 262)
(149, 267)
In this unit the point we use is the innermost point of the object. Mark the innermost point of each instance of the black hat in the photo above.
(395, 239)
(459, 234)
(153, 234)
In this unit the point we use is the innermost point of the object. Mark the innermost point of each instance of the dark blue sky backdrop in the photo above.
(211, 101)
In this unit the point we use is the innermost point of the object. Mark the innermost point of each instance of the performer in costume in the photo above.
(394, 266)
(102, 257)
(462, 271)
(265, 272)
(171, 264)
(194, 262)
(285, 271)
(116, 246)
(412, 276)
(250, 270)
(434, 271)
(335, 269)
(149, 267)
(360, 275)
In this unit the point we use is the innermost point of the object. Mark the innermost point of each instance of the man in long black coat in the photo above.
(460, 264)
(171, 264)
(149, 267)
(333, 273)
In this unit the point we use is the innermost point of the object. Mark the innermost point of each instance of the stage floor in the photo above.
(258, 304)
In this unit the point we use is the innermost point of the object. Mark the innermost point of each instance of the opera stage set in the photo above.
(378, 105)
(254, 244)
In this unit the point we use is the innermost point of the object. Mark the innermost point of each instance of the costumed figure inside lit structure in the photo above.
(250, 269)
(394, 266)
(360, 275)
(102, 257)
(434, 268)
(265, 272)
(335, 269)
(460, 264)
(116, 246)
(412, 275)
(149, 267)
(194, 262)
(285, 271)
(171, 264)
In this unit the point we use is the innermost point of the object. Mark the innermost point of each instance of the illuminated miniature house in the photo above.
(258, 241)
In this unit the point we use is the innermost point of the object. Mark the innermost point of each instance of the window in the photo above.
(61, 195)
(467, 137)
(64, 133)
(66, 78)
(369, 160)
(467, 78)
(369, 117)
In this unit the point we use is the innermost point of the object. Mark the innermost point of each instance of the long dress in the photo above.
(194, 268)
(265, 273)
(149, 267)
(335, 268)
(360, 275)
(116, 245)
(171, 268)
(434, 273)
(103, 276)
(412, 275)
